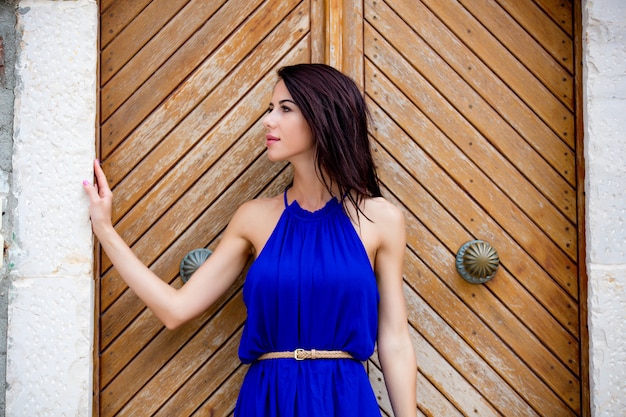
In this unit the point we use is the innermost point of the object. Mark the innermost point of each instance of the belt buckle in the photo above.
(298, 354)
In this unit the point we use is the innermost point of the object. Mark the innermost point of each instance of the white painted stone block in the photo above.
(50, 361)
(605, 156)
(604, 61)
(51, 299)
(607, 289)
(54, 136)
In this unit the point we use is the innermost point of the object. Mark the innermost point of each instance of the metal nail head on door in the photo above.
(192, 261)
(477, 261)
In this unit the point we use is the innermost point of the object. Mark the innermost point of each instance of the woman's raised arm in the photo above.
(173, 307)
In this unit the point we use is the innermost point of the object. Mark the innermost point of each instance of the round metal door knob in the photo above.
(192, 261)
(477, 261)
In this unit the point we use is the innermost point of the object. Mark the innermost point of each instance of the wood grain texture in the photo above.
(470, 155)
(183, 149)
(116, 16)
(508, 67)
(474, 132)
(489, 144)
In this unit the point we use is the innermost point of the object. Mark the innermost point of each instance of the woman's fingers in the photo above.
(101, 179)
(99, 192)
(91, 190)
(100, 199)
(100, 188)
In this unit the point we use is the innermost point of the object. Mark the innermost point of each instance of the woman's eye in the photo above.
(285, 109)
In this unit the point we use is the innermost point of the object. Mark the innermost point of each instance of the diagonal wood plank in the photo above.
(214, 218)
(115, 16)
(206, 381)
(148, 248)
(125, 385)
(508, 177)
(458, 75)
(501, 97)
(560, 11)
(165, 52)
(193, 355)
(501, 356)
(253, 74)
(514, 73)
(522, 304)
(551, 296)
(553, 38)
(527, 235)
(135, 35)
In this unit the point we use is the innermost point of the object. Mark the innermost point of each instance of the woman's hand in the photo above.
(100, 200)
(173, 307)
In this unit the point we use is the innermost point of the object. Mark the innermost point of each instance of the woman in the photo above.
(326, 281)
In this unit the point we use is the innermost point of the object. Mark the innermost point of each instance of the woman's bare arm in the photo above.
(395, 349)
(173, 307)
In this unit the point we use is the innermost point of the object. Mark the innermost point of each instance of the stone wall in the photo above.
(7, 98)
(604, 62)
(51, 299)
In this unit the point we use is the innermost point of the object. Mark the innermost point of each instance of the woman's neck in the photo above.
(308, 189)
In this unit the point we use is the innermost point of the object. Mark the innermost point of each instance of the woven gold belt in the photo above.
(301, 354)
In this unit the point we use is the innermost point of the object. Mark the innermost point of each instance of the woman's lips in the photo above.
(270, 139)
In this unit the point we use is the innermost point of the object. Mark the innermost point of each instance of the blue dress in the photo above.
(310, 287)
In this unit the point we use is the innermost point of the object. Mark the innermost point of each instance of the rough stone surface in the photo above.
(605, 151)
(604, 64)
(50, 349)
(54, 122)
(50, 313)
(7, 85)
(607, 318)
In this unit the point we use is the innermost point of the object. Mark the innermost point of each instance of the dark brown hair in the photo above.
(336, 112)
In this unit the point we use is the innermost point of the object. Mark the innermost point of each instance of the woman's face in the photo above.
(288, 135)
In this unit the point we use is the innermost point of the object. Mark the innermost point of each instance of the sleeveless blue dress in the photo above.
(310, 287)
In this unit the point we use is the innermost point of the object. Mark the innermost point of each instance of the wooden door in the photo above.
(473, 111)
(183, 86)
(473, 104)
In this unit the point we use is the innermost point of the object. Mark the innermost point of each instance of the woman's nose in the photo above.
(268, 120)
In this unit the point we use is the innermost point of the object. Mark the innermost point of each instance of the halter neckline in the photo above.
(296, 209)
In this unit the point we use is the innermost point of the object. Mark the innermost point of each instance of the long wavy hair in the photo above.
(337, 114)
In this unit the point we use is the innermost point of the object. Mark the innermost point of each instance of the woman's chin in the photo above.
(274, 158)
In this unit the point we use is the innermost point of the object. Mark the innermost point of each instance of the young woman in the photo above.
(326, 282)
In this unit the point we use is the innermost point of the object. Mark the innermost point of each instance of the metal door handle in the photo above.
(192, 261)
(477, 261)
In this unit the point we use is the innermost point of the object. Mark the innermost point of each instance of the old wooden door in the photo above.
(473, 104)
(474, 125)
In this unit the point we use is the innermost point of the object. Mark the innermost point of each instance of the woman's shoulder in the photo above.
(379, 210)
(258, 208)
(254, 214)
(255, 219)
(381, 226)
